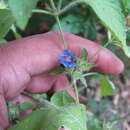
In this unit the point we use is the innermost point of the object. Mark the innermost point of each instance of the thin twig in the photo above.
(76, 92)
(58, 12)
(42, 11)
(53, 5)
(62, 34)
(89, 74)
(60, 4)
(72, 4)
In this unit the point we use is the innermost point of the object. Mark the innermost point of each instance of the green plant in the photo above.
(110, 12)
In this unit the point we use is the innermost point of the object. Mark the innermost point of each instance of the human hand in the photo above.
(25, 65)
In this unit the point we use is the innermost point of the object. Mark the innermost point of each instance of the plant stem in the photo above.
(59, 4)
(58, 22)
(89, 74)
(42, 11)
(76, 91)
(109, 36)
(56, 12)
(72, 4)
(62, 34)
(53, 5)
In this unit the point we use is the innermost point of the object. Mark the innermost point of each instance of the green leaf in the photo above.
(16, 34)
(125, 2)
(107, 87)
(22, 11)
(26, 106)
(110, 13)
(83, 65)
(6, 21)
(73, 117)
(58, 71)
(71, 23)
(84, 55)
(90, 31)
(2, 41)
(62, 98)
(128, 36)
(127, 50)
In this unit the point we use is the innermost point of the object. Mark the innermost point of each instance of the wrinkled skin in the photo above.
(25, 64)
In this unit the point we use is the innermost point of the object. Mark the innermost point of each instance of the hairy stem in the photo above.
(58, 12)
(76, 92)
(72, 4)
(62, 34)
(90, 74)
(60, 4)
(58, 22)
(52, 5)
(42, 11)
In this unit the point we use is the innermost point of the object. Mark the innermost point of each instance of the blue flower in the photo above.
(67, 59)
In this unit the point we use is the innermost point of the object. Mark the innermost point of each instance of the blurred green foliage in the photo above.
(61, 111)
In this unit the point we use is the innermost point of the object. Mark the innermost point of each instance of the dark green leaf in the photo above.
(62, 99)
(90, 31)
(127, 5)
(128, 36)
(58, 71)
(26, 106)
(71, 23)
(22, 11)
(6, 21)
(107, 87)
(84, 55)
(2, 41)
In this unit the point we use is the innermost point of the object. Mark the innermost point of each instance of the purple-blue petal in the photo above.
(69, 53)
(64, 61)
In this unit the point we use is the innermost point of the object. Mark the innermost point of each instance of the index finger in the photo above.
(40, 53)
(106, 61)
